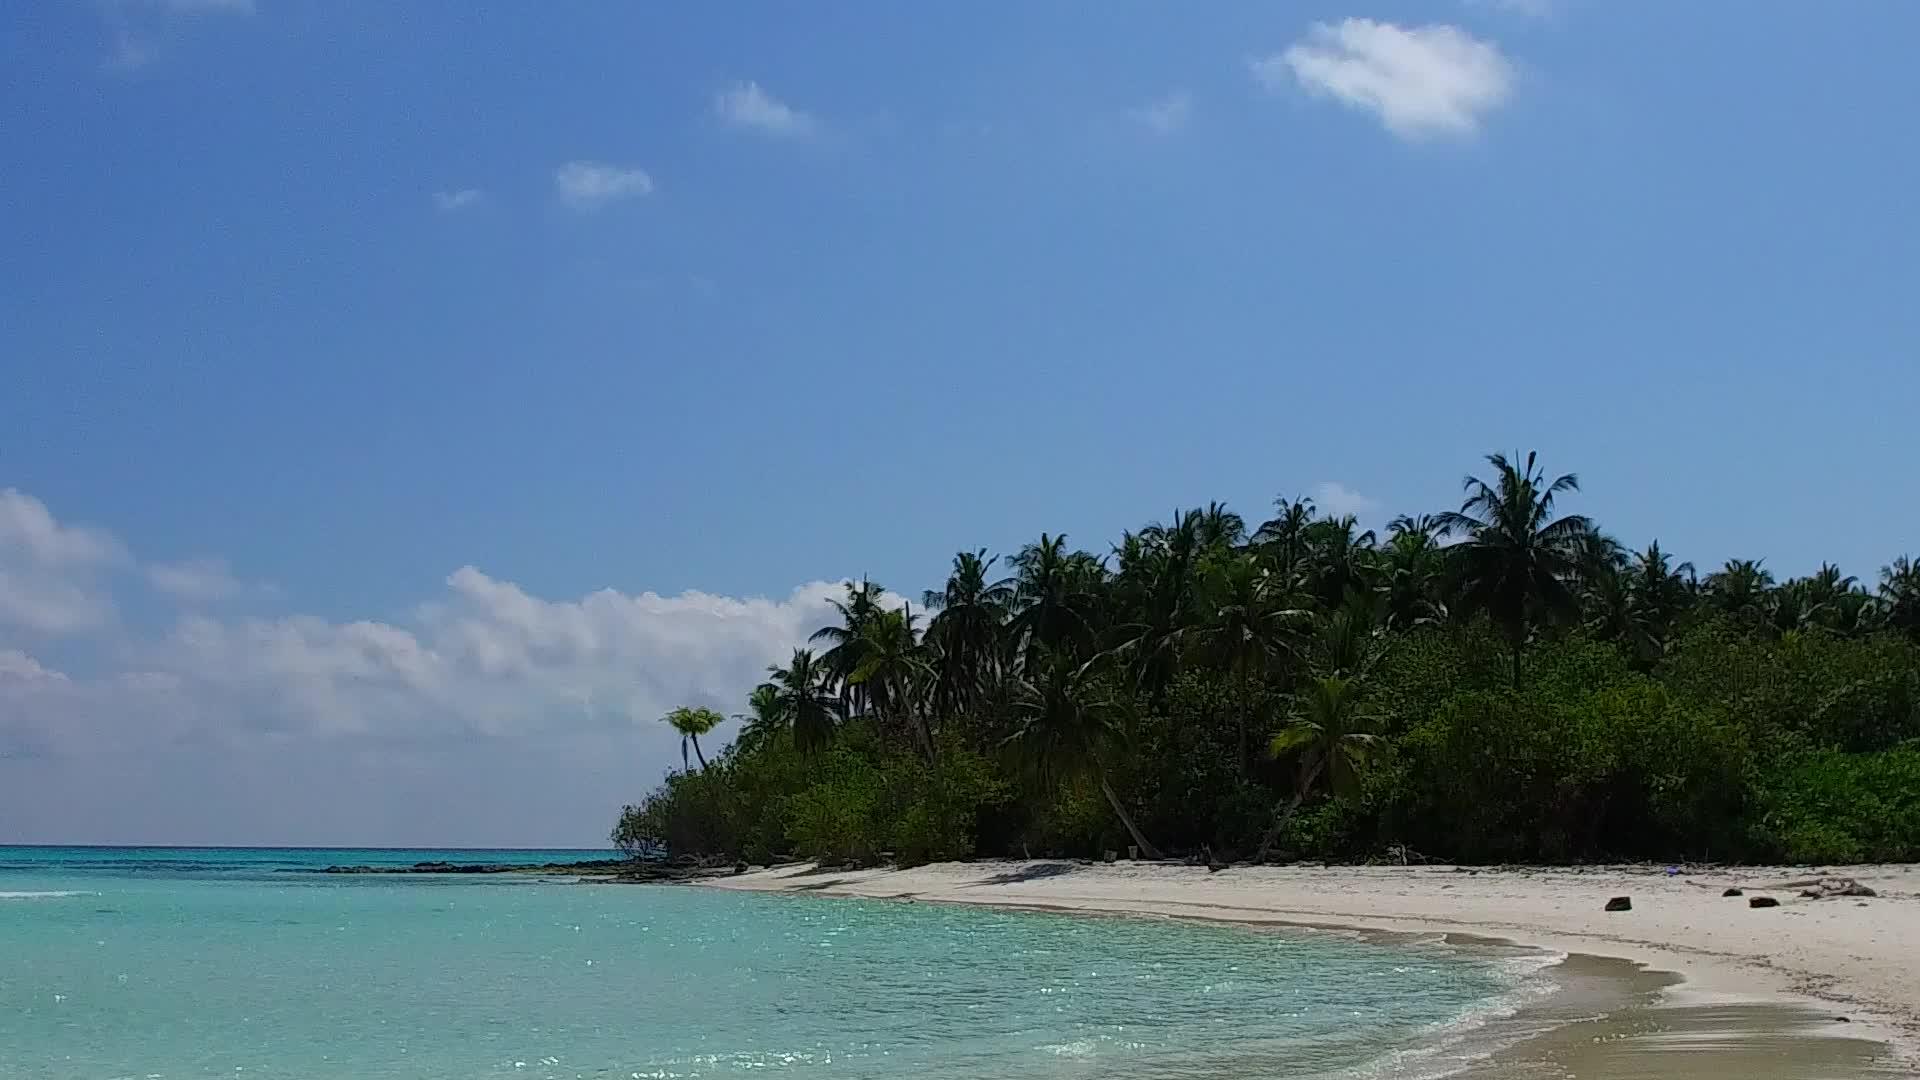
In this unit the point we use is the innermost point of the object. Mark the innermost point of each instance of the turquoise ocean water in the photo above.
(167, 964)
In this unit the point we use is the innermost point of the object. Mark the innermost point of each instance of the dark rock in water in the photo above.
(583, 868)
(1620, 903)
(1841, 1020)
(1762, 901)
(1733, 892)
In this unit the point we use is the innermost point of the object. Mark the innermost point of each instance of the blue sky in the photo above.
(660, 320)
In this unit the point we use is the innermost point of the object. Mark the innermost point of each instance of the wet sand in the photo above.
(1687, 983)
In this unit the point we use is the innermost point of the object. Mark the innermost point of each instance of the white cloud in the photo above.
(745, 105)
(427, 715)
(136, 28)
(463, 199)
(49, 605)
(486, 658)
(1421, 82)
(18, 667)
(589, 185)
(28, 530)
(1337, 500)
(194, 579)
(1167, 115)
(49, 571)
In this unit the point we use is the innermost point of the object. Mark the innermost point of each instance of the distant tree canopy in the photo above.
(1498, 682)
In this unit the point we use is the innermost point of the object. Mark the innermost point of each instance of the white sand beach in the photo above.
(1852, 957)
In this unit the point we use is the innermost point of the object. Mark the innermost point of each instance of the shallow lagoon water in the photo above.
(173, 963)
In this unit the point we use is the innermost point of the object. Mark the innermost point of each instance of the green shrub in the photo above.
(1833, 807)
(837, 817)
(690, 813)
(939, 806)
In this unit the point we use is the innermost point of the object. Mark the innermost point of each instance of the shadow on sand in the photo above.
(1029, 872)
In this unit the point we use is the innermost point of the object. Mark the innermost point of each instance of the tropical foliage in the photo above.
(1498, 681)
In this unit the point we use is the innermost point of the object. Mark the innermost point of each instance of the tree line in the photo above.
(1498, 682)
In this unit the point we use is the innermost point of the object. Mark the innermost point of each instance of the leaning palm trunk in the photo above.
(915, 721)
(697, 753)
(1139, 839)
(1284, 814)
(924, 733)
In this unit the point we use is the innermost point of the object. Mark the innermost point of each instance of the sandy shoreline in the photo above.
(1845, 956)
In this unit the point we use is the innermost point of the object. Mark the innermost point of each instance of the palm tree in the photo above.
(763, 721)
(970, 615)
(1218, 528)
(1855, 613)
(1068, 724)
(848, 641)
(1739, 589)
(1658, 593)
(1826, 600)
(803, 699)
(1155, 593)
(1900, 592)
(1051, 606)
(1341, 555)
(1330, 726)
(1517, 559)
(1350, 639)
(1833, 599)
(692, 723)
(893, 672)
(1249, 619)
(1284, 533)
(1789, 609)
(1410, 568)
(1607, 604)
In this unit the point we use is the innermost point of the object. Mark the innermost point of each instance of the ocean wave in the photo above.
(51, 894)
(1451, 1046)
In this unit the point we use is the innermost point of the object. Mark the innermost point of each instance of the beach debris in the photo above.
(1110, 856)
(1833, 886)
(1620, 903)
(1762, 901)
(1216, 867)
(1734, 892)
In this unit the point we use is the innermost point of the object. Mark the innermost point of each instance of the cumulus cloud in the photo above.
(484, 658)
(485, 687)
(590, 185)
(462, 199)
(50, 572)
(47, 605)
(1338, 500)
(1167, 115)
(198, 580)
(748, 107)
(1421, 82)
(28, 529)
(18, 667)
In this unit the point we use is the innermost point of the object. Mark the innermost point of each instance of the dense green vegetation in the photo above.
(1500, 682)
